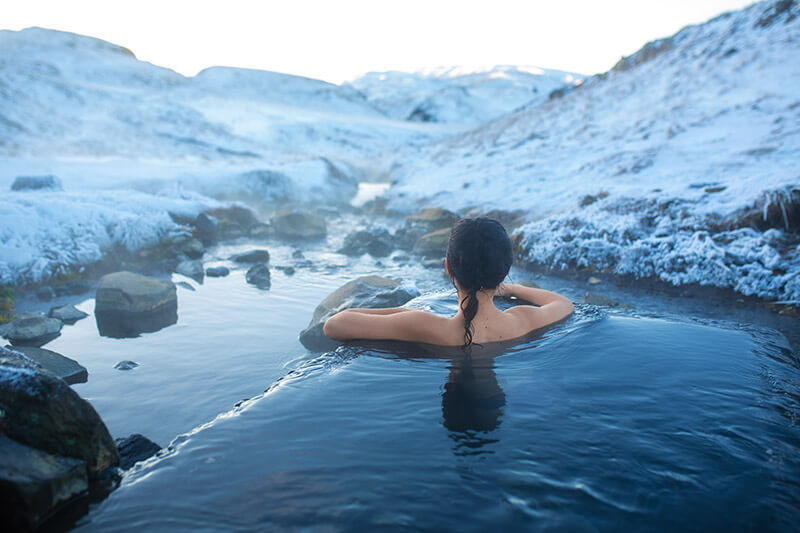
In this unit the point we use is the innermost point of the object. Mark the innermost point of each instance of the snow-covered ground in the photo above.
(679, 152)
(682, 163)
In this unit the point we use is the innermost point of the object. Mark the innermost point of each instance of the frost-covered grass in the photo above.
(43, 234)
(685, 142)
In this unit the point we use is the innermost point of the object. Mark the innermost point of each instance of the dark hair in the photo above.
(479, 256)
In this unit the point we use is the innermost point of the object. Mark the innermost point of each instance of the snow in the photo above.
(686, 138)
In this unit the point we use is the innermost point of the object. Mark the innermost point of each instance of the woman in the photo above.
(478, 259)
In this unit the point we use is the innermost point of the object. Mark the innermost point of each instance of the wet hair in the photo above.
(479, 256)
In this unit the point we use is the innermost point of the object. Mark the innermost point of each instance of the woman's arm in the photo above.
(384, 311)
(408, 325)
(552, 307)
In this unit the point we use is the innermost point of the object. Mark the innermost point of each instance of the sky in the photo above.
(338, 40)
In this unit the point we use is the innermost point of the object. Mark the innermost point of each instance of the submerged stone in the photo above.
(366, 291)
(601, 300)
(34, 484)
(40, 410)
(126, 365)
(191, 269)
(67, 369)
(135, 448)
(33, 329)
(68, 314)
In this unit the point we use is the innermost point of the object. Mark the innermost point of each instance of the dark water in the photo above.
(604, 422)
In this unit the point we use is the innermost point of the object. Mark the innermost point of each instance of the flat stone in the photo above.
(68, 314)
(259, 276)
(191, 269)
(298, 224)
(41, 411)
(67, 369)
(34, 484)
(135, 448)
(365, 291)
(129, 304)
(33, 329)
(217, 272)
(126, 291)
(253, 256)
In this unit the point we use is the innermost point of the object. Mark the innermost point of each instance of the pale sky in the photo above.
(338, 40)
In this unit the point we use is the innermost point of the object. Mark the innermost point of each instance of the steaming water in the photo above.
(610, 420)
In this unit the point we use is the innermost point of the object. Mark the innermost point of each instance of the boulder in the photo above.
(217, 272)
(68, 314)
(188, 246)
(191, 269)
(259, 276)
(135, 448)
(377, 242)
(206, 228)
(233, 221)
(128, 304)
(298, 224)
(33, 329)
(366, 291)
(67, 369)
(34, 484)
(41, 411)
(253, 256)
(260, 232)
(45, 293)
(37, 183)
(432, 219)
(433, 245)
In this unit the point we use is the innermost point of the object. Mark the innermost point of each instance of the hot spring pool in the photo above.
(608, 421)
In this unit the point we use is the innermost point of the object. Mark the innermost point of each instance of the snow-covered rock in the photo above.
(688, 152)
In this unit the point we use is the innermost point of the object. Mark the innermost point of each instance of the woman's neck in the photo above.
(485, 301)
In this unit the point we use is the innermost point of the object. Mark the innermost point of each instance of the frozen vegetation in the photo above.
(682, 163)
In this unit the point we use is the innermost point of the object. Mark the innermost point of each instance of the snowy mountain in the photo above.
(459, 95)
(682, 162)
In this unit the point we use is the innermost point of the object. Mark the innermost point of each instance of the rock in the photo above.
(67, 369)
(594, 281)
(45, 294)
(73, 288)
(298, 254)
(33, 329)
(234, 221)
(34, 484)
(433, 245)
(259, 276)
(298, 224)
(68, 314)
(253, 256)
(432, 263)
(186, 285)
(206, 228)
(377, 242)
(188, 246)
(260, 231)
(128, 304)
(135, 448)
(191, 269)
(433, 219)
(37, 183)
(592, 298)
(400, 258)
(366, 291)
(288, 270)
(126, 365)
(42, 411)
(217, 272)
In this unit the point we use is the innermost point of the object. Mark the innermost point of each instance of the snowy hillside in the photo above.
(459, 95)
(682, 163)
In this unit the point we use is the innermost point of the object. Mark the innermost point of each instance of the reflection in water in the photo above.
(124, 324)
